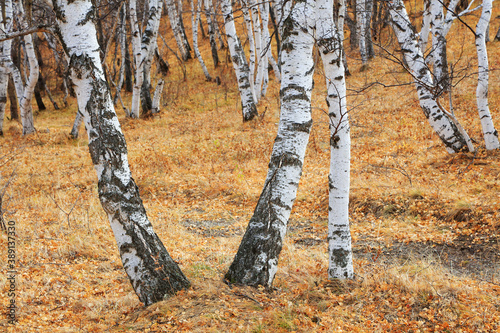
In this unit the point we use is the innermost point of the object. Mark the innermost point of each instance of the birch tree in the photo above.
(443, 122)
(490, 134)
(240, 65)
(330, 47)
(177, 26)
(152, 272)
(144, 48)
(438, 51)
(256, 261)
(195, 17)
(24, 91)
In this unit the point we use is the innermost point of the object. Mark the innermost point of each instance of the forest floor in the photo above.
(425, 224)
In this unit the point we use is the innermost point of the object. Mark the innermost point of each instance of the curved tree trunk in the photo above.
(177, 26)
(339, 235)
(152, 272)
(490, 134)
(441, 121)
(195, 17)
(256, 262)
(240, 64)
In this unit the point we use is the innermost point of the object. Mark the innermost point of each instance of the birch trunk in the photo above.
(177, 26)
(490, 134)
(211, 31)
(426, 26)
(441, 121)
(239, 60)
(144, 55)
(266, 46)
(32, 79)
(157, 96)
(136, 47)
(251, 42)
(339, 235)
(254, 8)
(439, 57)
(152, 272)
(361, 30)
(195, 17)
(256, 262)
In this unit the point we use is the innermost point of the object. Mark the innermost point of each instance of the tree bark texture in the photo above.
(152, 272)
(329, 43)
(256, 261)
(240, 65)
(490, 134)
(440, 120)
(195, 17)
(438, 51)
(177, 26)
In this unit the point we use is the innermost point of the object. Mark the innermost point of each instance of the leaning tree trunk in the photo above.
(195, 17)
(439, 57)
(339, 236)
(152, 272)
(443, 123)
(239, 60)
(490, 134)
(177, 26)
(256, 262)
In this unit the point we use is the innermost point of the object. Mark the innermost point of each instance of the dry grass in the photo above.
(424, 223)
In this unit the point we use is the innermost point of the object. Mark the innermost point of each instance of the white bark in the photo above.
(490, 134)
(257, 258)
(24, 91)
(175, 19)
(136, 49)
(152, 273)
(438, 51)
(195, 17)
(240, 64)
(157, 96)
(266, 46)
(339, 236)
(251, 41)
(426, 26)
(211, 27)
(143, 50)
(361, 29)
(259, 76)
(440, 121)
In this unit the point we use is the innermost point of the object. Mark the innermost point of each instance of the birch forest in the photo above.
(249, 166)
